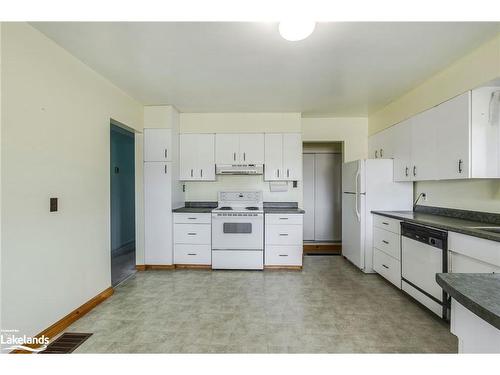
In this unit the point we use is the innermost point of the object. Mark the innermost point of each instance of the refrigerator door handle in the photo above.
(358, 214)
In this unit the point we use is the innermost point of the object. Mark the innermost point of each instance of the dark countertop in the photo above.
(276, 210)
(196, 207)
(452, 224)
(478, 292)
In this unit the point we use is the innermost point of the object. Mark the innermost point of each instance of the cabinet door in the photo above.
(385, 150)
(188, 144)
(453, 131)
(292, 156)
(423, 146)
(251, 149)
(205, 162)
(373, 146)
(273, 155)
(402, 151)
(157, 213)
(157, 145)
(226, 148)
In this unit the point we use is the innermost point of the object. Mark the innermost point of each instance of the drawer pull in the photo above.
(384, 241)
(283, 218)
(192, 254)
(385, 223)
(383, 265)
(283, 255)
(191, 234)
(192, 218)
(283, 234)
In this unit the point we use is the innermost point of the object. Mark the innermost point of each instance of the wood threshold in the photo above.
(332, 248)
(154, 267)
(283, 268)
(69, 319)
(194, 266)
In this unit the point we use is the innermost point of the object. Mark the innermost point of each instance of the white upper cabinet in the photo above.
(401, 135)
(452, 121)
(197, 153)
(292, 156)
(157, 145)
(380, 145)
(239, 148)
(251, 148)
(283, 157)
(424, 147)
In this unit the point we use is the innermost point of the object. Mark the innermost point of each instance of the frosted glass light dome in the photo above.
(296, 30)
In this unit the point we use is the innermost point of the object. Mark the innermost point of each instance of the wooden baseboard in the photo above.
(73, 316)
(156, 267)
(333, 248)
(283, 268)
(194, 266)
(140, 267)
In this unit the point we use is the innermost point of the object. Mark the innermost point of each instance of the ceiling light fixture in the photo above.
(296, 30)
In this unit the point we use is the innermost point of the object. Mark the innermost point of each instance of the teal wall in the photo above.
(122, 187)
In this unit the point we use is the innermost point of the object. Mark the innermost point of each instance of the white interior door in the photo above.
(327, 194)
(308, 192)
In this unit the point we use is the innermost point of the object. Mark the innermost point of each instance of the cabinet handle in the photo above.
(385, 223)
(460, 162)
(283, 234)
(406, 171)
(381, 153)
(278, 172)
(165, 169)
(283, 255)
(384, 241)
(191, 173)
(283, 218)
(383, 265)
(192, 218)
(415, 170)
(376, 154)
(244, 156)
(201, 172)
(166, 154)
(191, 253)
(288, 172)
(191, 234)
(234, 156)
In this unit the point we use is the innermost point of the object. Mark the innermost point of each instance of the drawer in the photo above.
(283, 234)
(484, 250)
(283, 255)
(387, 266)
(295, 219)
(193, 233)
(388, 242)
(392, 225)
(189, 218)
(192, 254)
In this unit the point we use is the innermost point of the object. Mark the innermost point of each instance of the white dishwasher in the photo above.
(423, 254)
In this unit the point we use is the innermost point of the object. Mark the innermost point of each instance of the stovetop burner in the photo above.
(225, 208)
(252, 208)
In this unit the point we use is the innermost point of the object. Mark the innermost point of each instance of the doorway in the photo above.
(322, 197)
(122, 170)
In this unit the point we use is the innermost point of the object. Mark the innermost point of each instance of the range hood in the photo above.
(239, 169)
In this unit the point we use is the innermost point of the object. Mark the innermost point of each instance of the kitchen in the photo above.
(227, 207)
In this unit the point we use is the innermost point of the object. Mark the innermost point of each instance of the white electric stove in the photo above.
(238, 231)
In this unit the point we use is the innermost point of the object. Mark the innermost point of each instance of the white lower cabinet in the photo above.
(283, 240)
(468, 254)
(387, 248)
(192, 239)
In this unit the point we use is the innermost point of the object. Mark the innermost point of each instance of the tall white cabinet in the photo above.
(283, 157)
(162, 189)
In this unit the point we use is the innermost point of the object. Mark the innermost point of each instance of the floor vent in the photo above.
(66, 343)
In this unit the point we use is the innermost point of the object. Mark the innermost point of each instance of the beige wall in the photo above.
(240, 123)
(352, 131)
(55, 139)
(476, 68)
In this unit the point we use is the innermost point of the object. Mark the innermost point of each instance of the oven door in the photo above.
(237, 232)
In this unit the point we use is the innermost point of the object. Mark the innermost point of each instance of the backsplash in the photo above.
(207, 191)
(475, 195)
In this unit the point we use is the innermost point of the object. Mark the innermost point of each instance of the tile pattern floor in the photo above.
(329, 307)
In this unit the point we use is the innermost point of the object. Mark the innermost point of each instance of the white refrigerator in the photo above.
(368, 185)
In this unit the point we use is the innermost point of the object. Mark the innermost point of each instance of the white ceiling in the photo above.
(346, 69)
